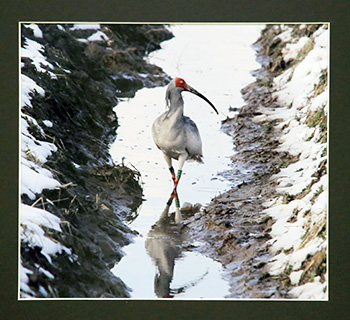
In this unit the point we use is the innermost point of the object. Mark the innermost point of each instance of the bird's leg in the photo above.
(172, 172)
(177, 200)
(171, 168)
(178, 216)
(170, 200)
(175, 196)
(182, 158)
(176, 180)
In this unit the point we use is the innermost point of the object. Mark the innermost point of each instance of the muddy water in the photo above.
(215, 60)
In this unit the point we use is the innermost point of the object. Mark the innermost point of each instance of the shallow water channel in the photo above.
(216, 60)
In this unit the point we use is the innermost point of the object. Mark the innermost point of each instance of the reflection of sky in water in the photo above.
(216, 61)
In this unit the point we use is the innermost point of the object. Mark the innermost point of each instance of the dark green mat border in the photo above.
(335, 12)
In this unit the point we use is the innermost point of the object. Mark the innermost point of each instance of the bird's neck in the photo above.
(176, 106)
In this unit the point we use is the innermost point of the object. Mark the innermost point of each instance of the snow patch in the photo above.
(81, 26)
(286, 35)
(98, 36)
(36, 30)
(34, 177)
(300, 212)
(29, 86)
(32, 221)
(48, 123)
(314, 290)
(59, 27)
(34, 51)
(305, 75)
(293, 49)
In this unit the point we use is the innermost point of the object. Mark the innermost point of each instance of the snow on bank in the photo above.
(89, 26)
(300, 211)
(32, 222)
(36, 223)
(97, 36)
(28, 87)
(36, 30)
(34, 51)
(33, 176)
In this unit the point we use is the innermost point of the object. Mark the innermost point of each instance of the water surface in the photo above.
(217, 61)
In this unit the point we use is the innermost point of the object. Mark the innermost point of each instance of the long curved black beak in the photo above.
(194, 91)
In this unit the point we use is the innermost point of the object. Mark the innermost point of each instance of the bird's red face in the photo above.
(180, 83)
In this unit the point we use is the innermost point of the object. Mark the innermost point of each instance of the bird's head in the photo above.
(181, 83)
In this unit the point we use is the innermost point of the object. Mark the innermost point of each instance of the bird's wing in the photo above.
(194, 142)
(190, 124)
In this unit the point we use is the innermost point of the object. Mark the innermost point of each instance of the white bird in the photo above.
(176, 135)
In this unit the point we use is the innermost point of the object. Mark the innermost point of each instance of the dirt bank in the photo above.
(72, 78)
(234, 228)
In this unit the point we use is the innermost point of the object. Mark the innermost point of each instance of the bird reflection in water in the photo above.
(165, 243)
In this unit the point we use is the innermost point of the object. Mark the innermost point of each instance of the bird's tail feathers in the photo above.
(198, 158)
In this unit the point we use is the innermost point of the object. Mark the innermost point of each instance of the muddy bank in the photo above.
(79, 74)
(234, 228)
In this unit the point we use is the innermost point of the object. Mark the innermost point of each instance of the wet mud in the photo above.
(233, 229)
